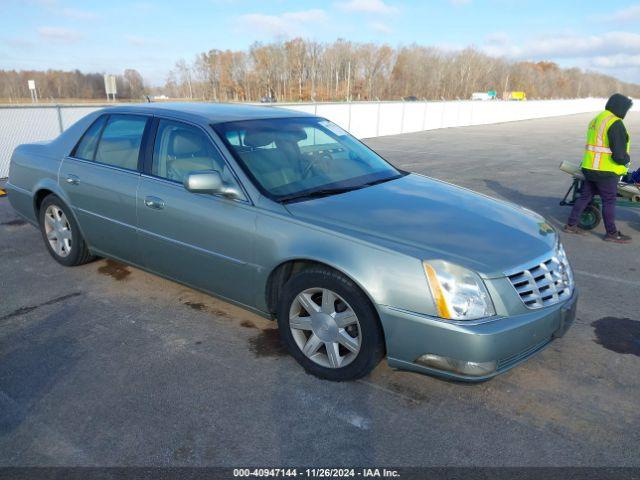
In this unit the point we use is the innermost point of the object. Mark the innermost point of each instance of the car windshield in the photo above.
(297, 158)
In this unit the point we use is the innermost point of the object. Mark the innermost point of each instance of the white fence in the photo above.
(23, 124)
(374, 119)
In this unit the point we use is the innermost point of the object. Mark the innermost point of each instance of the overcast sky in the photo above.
(111, 35)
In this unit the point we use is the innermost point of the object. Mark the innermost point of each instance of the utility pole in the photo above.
(506, 86)
(349, 82)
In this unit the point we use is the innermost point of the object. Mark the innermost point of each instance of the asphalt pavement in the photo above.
(107, 365)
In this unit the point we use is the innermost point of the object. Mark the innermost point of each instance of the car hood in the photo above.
(430, 219)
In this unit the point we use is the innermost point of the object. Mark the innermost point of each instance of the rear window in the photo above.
(120, 142)
(86, 148)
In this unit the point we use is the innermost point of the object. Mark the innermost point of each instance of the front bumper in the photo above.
(507, 341)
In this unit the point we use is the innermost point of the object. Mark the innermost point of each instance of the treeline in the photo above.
(58, 84)
(302, 70)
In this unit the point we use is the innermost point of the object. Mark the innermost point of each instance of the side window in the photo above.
(86, 148)
(120, 142)
(180, 149)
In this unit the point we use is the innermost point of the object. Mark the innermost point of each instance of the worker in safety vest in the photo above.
(606, 159)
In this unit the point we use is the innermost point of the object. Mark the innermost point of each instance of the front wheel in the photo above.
(61, 233)
(329, 325)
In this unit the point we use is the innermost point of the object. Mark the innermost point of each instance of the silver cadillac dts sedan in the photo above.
(288, 215)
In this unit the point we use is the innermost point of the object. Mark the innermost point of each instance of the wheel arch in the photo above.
(282, 272)
(286, 269)
(38, 198)
(46, 188)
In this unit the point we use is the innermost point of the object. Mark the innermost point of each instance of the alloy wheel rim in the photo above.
(58, 230)
(325, 327)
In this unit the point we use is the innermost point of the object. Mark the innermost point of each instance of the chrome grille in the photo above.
(546, 283)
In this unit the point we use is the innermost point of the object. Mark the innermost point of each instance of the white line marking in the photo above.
(355, 420)
(350, 417)
(606, 277)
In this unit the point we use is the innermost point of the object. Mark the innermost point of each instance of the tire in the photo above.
(350, 342)
(590, 218)
(55, 221)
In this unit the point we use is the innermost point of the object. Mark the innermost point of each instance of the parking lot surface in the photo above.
(107, 365)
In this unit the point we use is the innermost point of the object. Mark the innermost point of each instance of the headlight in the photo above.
(459, 294)
(565, 266)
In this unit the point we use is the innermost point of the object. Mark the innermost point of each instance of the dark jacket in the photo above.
(619, 105)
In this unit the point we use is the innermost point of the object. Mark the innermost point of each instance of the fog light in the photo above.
(471, 369)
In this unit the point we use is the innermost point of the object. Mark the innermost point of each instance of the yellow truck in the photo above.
(519, 96)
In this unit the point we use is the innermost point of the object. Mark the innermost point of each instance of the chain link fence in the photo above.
(25, 124)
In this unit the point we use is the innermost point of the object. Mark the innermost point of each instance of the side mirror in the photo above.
(209, 181)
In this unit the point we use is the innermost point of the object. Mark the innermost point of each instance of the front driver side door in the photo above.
(202, 240)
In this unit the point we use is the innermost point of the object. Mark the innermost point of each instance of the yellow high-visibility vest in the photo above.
(597, 154)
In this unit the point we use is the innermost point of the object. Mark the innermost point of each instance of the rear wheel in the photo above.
(61, 233)
(329, 325)
(590, 218)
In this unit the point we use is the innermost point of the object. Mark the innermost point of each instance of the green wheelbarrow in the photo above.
(628, 196)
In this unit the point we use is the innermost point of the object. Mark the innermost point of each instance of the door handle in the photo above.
(154, 202)
(73, 179)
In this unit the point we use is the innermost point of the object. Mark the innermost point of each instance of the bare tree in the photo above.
(134, 82)
(299, 69)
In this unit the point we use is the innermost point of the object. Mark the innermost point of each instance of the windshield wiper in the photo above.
(380, 180)
(323, 192)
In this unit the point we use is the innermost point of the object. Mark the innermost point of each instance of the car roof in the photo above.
(209, 112)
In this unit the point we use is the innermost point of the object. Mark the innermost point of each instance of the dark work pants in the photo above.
(607, 189)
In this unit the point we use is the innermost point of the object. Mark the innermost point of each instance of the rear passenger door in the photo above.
(101, 177)
(203, 240)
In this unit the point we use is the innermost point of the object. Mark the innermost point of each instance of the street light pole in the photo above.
(349, 81)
